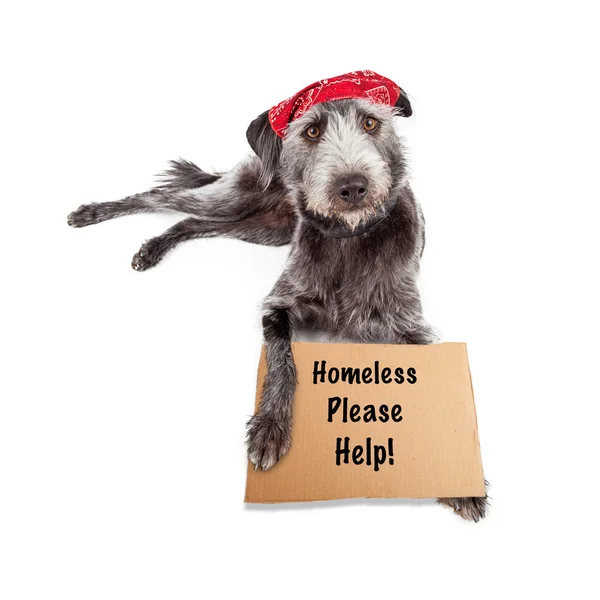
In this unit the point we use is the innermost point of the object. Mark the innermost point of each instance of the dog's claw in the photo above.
(138, 263)
(470, 509)
(144, 259)
(268, 441)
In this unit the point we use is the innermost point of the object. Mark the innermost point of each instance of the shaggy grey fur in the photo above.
(354, 260)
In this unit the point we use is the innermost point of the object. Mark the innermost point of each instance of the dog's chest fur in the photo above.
(360, 281)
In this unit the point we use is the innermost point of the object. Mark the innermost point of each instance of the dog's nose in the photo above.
(353, 189)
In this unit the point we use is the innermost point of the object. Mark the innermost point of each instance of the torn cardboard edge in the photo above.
(376, 421)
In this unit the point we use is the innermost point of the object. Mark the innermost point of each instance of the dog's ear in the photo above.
(403, 105)
(267, 145)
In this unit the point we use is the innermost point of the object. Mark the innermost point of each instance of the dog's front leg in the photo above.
(270, 430)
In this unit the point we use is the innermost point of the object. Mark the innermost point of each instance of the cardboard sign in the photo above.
(376, 421)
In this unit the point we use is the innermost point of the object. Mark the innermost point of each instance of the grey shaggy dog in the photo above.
(336, 189)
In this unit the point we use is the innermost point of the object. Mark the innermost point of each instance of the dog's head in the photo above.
(340, 159)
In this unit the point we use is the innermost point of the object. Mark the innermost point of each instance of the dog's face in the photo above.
(340, 159)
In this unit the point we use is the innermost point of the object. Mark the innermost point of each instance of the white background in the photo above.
(125, 395)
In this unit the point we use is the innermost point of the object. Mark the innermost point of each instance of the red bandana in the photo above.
(356, 84)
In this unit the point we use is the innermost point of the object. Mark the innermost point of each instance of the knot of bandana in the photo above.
(356, 84)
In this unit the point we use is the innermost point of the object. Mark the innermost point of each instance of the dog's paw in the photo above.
(268, 441)
(470, 509)
(149, 255)
(86, 214)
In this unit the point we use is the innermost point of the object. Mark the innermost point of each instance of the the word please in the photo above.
(368, 413)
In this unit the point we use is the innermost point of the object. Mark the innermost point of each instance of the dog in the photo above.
(330, 178)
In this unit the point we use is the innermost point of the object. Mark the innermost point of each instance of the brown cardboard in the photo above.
(435, 444)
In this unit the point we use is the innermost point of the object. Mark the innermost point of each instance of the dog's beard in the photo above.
(352, 217)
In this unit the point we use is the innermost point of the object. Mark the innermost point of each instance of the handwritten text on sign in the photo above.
(369, 454)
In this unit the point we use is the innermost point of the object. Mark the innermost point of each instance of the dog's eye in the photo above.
(313, 132)
(370, 124)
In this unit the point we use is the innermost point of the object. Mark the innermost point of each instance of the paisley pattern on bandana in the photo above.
(356, 84)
